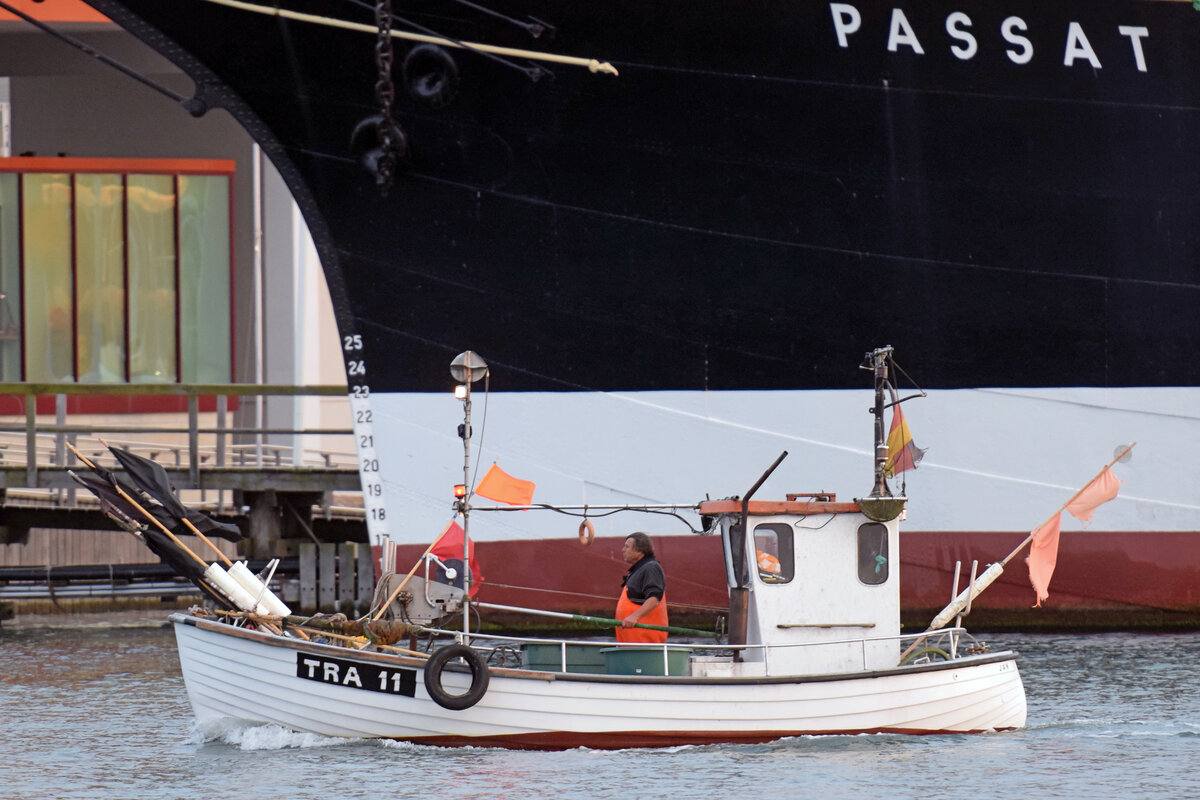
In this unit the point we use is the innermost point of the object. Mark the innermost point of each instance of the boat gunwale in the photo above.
(275, 640)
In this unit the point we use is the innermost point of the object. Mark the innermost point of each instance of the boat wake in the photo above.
(1114, 727)
(250, 737)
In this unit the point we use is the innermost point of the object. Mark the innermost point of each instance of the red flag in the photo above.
(1098, 492)
(1043, 555)
(498, 485)
(450, 548)
(903, 453)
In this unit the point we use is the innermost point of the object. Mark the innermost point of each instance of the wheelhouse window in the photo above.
(773, 549)
(873, 553)
(115, 270)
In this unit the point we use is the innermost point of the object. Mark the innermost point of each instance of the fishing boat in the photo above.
(671, 221)
(814, 647)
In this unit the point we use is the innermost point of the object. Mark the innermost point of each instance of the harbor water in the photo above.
(101, 712)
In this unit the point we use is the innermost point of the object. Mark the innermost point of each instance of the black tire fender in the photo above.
(479, 677)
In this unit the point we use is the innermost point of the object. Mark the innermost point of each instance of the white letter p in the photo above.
(846, 20)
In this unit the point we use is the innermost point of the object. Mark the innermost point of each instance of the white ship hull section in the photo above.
(1002, 459)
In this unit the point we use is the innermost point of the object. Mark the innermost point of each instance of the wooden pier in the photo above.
(296, 494)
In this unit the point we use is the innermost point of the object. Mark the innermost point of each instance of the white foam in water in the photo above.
(248, 736)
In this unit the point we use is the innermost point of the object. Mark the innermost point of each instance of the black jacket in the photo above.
(644, 580)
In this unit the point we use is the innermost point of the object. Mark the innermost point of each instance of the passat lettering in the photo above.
(964, 38)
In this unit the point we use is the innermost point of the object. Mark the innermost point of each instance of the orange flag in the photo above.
(1098, 492)
(498, 485)
(1043, 555)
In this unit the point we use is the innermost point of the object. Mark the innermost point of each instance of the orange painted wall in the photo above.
(55, 11)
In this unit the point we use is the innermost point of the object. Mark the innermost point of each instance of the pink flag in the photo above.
(1043, 554)
(1098, 492)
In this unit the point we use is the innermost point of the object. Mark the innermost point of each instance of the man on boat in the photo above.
(643, 593)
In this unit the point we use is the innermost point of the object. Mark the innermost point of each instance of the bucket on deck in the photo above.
(548, 658)
(646, 660)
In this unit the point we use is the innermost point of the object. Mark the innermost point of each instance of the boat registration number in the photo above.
(357, 674)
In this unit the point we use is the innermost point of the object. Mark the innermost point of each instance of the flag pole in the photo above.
(160, 526)
(994, 570)
(206, 540)
(187, 522)
(142, 511)
(174, 539)
(396, 592)
(466, 368)
(1063, 507)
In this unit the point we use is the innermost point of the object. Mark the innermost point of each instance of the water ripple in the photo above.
(104, 714)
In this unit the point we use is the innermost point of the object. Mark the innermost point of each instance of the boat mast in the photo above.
(877, 362)
(466, 368)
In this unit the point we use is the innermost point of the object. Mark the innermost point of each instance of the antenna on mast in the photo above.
(880, 505)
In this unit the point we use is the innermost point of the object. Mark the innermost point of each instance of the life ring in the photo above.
(768, 563)
(587, 532)
(433, 677)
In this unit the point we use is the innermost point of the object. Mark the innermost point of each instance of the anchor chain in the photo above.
(390, 136)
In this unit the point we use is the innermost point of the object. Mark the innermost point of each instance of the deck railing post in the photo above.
(222, 410)
(60, 448)
(60, 419)
(194, 439)
(31, 440)
(71, 439)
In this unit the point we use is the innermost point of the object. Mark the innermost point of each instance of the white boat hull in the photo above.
(236, 675)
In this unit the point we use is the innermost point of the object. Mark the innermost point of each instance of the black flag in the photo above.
(117, 508)
(151, 478)
(122, 512)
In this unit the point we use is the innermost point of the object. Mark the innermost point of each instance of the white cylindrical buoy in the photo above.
(231, 589)
(250, 582)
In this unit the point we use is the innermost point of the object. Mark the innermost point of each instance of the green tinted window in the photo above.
(873, 553)
(100, 278)
(151, 223)
(120, 276)
(48, 289)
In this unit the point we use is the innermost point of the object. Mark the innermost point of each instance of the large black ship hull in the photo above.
(748, 202)
(671, 270)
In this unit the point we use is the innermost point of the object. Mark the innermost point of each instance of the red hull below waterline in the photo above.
(1103, 580)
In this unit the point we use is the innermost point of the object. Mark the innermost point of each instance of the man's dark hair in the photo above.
(641, 543)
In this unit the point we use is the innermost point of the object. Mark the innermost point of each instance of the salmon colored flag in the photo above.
(1043, 555)
(1096, 493)
(903, 453)
(498, 485)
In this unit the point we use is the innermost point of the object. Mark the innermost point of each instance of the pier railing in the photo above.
(200, 450)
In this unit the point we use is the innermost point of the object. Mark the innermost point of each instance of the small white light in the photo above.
(460, 391)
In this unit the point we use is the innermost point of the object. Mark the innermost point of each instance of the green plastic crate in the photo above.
(645, 660)
(548, 658)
